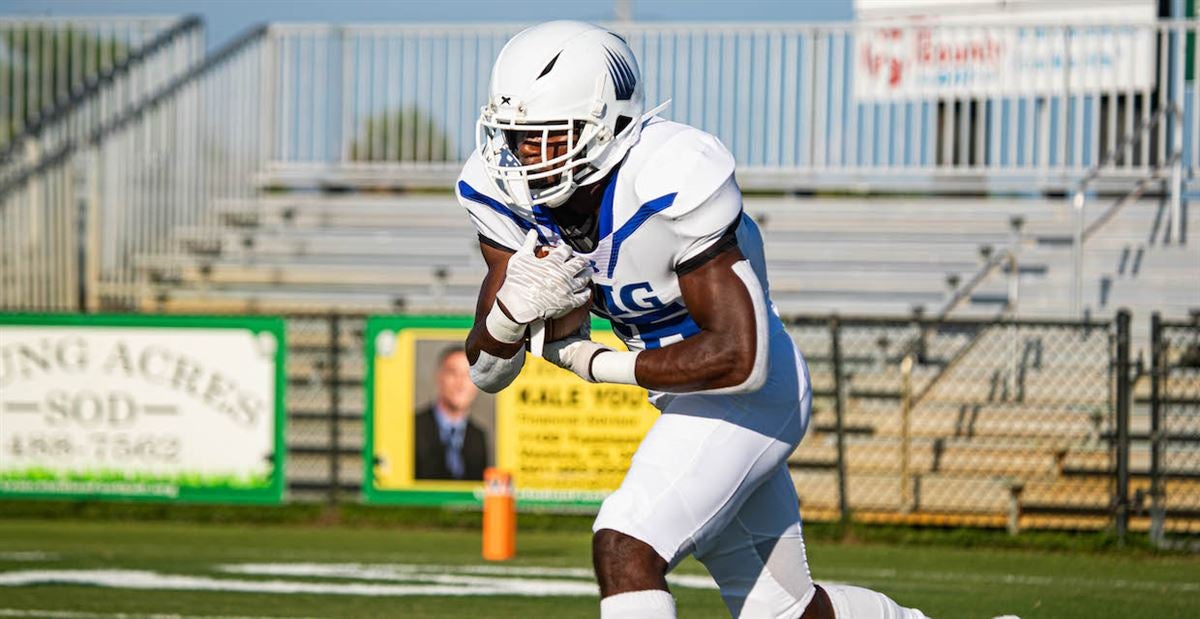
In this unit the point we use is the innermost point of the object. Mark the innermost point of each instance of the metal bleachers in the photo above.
(866, 256)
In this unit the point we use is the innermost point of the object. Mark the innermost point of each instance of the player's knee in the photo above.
(609, 545)
(624, 563)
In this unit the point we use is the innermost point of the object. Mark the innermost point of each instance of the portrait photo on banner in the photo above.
(454, 423)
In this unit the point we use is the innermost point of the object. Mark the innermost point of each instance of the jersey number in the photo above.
(632, 298)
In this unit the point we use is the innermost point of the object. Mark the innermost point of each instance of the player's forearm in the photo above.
(495, 346)
(480, 340)
(494, 331)
(729, 355)
(494, 363)
(703, 362)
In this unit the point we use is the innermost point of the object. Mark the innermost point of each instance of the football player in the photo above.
(646, 223)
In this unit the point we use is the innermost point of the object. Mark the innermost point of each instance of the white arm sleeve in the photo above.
(491, 373)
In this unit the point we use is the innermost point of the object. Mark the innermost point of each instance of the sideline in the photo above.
(407, 572)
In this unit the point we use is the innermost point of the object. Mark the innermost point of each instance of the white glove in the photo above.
(574, 353)
(538, 288)
(592, 361)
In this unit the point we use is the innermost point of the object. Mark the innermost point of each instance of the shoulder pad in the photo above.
(691, 164)
(493, 218)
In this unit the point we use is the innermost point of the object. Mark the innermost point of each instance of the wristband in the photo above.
(610, 366)
(503, 328)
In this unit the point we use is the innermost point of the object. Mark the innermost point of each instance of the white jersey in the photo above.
(711, 477)
(655, 216)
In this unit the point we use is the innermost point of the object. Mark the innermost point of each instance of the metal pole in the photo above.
(1157, 376)
(1078, 200)
(335, 401)
(1121, 501)
(1014, 299)
(839, 414)
(623, 11)
(91, 230)
(1016, 223)
(1176, 175)
(906, 494)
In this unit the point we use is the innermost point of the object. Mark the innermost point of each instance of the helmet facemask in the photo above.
(550, 180)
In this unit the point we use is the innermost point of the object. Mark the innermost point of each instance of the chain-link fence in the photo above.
(960, 422)
(1174, 432)
(325, 406)
(1017, 424)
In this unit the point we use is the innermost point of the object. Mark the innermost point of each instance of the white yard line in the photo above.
(478, 580)
(408, 572)
(442, 585)
(920, 576)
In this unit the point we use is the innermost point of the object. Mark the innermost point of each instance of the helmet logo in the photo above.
(505, 100)
(549, 65)
(622, 75)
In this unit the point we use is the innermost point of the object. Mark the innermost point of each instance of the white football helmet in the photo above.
(560, 77)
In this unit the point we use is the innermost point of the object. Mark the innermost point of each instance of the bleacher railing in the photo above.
(895, 104)
(51, 65)
(65, 82)
(1167, 171)
(75, 222)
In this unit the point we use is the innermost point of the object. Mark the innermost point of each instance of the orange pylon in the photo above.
(499, 516)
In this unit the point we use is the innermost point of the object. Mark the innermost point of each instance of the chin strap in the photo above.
(660, 107)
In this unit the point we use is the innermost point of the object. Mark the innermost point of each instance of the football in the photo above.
(559, 328)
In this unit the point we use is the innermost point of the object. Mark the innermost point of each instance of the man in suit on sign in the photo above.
(448, 444)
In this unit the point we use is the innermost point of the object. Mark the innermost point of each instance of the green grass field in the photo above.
(379, 566)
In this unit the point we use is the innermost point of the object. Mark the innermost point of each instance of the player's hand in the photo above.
(575, 353)
(540, 288)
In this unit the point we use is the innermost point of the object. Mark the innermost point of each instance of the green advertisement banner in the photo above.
(566, 443)
(168, 408)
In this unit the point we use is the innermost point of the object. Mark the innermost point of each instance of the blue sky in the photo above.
(225, 18)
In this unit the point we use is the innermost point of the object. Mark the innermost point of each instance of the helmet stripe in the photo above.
(623, 79)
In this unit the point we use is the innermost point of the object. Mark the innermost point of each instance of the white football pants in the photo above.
(711, 478)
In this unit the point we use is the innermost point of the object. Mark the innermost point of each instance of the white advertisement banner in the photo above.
(929, 58)
(143, 409)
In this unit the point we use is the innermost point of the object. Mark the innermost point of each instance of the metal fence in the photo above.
(89, 75)
(325, 407)
(941, 105)
(396, 105)
(961, 422)
(1173, 469)
(1007, 424)
(81, 220)
(87, 68)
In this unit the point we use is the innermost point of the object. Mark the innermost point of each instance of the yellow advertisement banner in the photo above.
(558, 432)
(563, 440)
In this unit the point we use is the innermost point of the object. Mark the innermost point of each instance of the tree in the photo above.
(407, 134)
